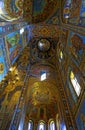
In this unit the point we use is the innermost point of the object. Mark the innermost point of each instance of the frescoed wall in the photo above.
(44, 31)
(66, 10)
(62, 54)
(0, 30)
(11, 9)
(14, 44)
(72, 58)
(54, 19)
(38, 6)
(6, 28)
(10, 46)
(43, 9)
(82, 14)
(76, 43)
(74, 12)
(80, 118)
(3, 62)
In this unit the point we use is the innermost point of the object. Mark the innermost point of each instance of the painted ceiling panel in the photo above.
(42, 9)
(11, 9)
(38, 6)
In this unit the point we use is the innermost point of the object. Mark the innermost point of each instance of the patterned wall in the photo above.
(55, 18)
(14, 45)
(76, 43)
(74, 11)
(44, 31)
(72, 45)
(11, 9)
(11, 47)
(3, 59)
(43, 9)
(11, 87)
(80, 117)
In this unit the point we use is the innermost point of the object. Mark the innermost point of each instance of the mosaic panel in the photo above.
(14, 44)
(80, 118)
(44, 31)
(74, 12)
(76, 43)
(3, 62)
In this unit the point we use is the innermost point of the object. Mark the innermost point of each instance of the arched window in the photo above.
(52, 125)
(41, 126)
(57, 122)
(61, 55)
(75, 83)
(30, 125)
(63, 126)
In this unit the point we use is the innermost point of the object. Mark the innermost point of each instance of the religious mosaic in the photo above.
(80, 118)
(76, 43)
(14, 43)
(74, 12)
(3, 60)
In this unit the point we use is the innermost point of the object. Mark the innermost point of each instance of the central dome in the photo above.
(44, 45)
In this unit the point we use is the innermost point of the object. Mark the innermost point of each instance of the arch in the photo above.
(66, 10)
(41, 125)
(61, 55)
(58, 122)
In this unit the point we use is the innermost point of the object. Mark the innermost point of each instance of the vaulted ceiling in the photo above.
(42, 97)
(32, 11)
(36, 11)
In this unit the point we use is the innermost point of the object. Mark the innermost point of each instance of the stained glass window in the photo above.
(41, 126)
(75, 83)
(61, 55)
(30, 125)
(52, 125)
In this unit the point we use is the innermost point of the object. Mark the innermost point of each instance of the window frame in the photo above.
(43, 123)
(31, 122)
(52, 122)
(75, 83)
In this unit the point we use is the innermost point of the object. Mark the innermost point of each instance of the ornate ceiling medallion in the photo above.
(44, 45)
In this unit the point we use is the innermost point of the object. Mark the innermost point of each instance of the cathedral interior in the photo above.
(42, 64)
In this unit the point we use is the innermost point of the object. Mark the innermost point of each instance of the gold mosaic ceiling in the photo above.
(42, 98)
(39, 10)
(41, 95)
